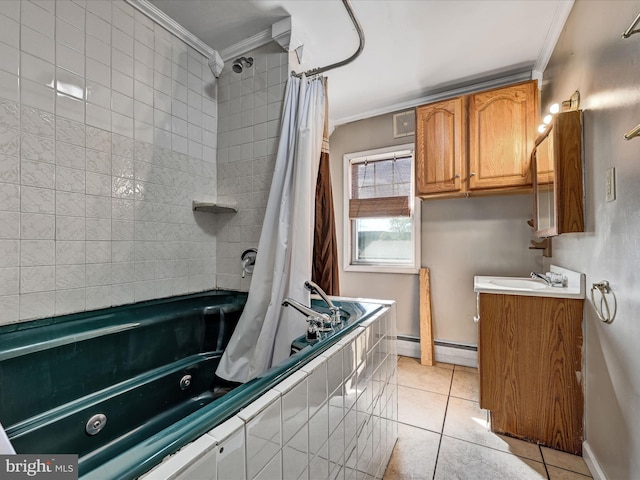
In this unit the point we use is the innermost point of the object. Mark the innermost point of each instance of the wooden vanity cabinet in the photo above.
(477, 144)
(530, 368)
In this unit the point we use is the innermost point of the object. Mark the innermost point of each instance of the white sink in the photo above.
(519, 283)
(532, 287)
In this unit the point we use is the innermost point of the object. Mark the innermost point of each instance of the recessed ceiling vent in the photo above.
(404, 124)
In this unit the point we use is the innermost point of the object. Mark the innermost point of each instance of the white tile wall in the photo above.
(249, 112)
(268, 440)
(95, 183)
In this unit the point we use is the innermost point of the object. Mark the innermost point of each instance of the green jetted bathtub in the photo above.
(128, 385)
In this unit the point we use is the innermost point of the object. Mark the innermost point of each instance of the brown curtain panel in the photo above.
(325, 247)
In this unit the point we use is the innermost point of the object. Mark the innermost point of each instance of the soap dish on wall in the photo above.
(213, 207)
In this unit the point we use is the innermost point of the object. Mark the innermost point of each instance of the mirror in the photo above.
(545, 181)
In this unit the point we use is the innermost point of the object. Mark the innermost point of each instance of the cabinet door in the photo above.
(502, 129)
(439, 146)
(530, 352)
(558, 197)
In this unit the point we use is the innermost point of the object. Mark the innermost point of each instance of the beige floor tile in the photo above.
(565, 460)
(433, 379)
(414, 456)
(467, 421)
(465, 385)
(422, 409)
(463, 368)
(448, 366)
(462, 460)
(556, 473)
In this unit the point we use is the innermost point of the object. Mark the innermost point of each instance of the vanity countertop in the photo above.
(575, 285)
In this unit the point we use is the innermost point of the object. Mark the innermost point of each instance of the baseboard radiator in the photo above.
(445, 352)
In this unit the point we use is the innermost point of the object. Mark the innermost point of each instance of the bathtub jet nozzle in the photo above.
(185, 382)
(95, 424)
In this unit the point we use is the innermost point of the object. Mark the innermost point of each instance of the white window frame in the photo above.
(414, 204)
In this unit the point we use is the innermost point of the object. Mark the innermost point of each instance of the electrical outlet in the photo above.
(611, 184)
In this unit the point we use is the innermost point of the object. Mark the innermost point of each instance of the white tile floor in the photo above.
(443, 434)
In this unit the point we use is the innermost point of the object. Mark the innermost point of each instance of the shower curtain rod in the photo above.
(319, 70)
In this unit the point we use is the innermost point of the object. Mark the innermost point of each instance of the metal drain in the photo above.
(96, 424)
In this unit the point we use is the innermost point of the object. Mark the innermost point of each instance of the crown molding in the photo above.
(563, 9)
(255, 41)
(168, 23)
(281, 32)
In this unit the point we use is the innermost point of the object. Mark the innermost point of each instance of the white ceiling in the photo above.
(413, 48)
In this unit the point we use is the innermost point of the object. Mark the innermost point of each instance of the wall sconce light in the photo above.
(573, 103)
(568, 105)
(555, 108)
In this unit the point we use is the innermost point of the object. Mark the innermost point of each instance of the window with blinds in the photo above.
(381, 212)
(381, 187)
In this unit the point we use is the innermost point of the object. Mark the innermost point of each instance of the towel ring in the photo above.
(604, 314)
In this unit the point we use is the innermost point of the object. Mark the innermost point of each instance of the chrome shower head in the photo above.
(240, 63)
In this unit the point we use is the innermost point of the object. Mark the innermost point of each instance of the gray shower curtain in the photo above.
(265, 330)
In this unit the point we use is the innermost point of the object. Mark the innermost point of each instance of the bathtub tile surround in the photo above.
(295, 405)
(194, 459)
(299, 431)
(250, 110)
(230, 451)
(263, 426)
(107, 131)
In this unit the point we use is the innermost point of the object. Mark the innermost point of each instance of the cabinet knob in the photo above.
(472, 174)
(457, 175)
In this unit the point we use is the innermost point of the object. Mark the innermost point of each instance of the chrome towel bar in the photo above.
(630, 31)
(634, 132)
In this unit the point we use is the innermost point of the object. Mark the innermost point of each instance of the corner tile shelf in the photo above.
(213, 207)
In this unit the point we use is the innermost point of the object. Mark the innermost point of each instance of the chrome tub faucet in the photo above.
(335, 311)
(318, 322)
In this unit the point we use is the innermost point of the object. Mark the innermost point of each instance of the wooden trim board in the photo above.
(426, 333)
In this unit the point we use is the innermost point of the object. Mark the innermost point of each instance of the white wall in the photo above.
(250, 110)
(592, 57)
(460, 238)
(107, 132)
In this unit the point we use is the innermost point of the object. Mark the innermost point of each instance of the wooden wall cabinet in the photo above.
(478, 143)
(441, 147)
(558, 182)
(530, 367)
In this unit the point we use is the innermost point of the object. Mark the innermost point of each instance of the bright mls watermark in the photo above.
(49, 467)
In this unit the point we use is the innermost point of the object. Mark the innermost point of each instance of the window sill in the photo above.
(383, 269)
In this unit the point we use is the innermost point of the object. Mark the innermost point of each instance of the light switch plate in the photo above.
(611, 184)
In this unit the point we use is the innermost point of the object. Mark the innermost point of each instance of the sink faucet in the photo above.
(316, 319)
(335, 311)
(551, 279)
(542, 277)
